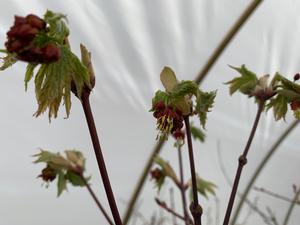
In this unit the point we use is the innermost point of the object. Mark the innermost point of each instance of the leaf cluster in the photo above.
(68, 169)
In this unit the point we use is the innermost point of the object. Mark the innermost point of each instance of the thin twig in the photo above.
(172, 204)
(251, 205)
(100, 159)
(275, 195)
(260, 167)
(96, 200)
(168, 209)
(272, 216)
(195, 208)
(292, 205)
(242, 163)
(199, 78)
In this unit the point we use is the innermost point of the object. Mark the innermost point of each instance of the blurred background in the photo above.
(131, 42)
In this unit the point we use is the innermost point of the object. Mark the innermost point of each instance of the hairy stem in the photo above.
(260, 167)
(182, 188)
(96, 200)
(292, 205)
(100, 159)
(195, 208)
(242, 163)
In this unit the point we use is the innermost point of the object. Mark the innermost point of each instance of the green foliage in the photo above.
(8, 60)
(183, 88)
(57, 26)
(53, 83)
(166, 168)
(245, 83)
(69, 169)
(204, 187)
(279, 105)
(204, 102)
(160, 96)
(197, 133)
(29, 74)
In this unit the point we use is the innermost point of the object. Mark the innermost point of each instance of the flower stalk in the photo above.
(242, 162)
(195, 208)
(99, 156)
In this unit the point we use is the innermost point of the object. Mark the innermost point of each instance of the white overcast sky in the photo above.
(131, 41)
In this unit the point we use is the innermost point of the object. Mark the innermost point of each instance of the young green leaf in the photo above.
(57, 27)
(184, 88)
(74, 179)
(166, 168)
(29, 74)
(168, 78)
(279, 105)
(204, 102)
(204, 187)
(61, 183)
(245, 83)
(54, 159)
(197, 133)
(53, 83)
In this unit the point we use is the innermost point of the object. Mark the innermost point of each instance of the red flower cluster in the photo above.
(48, 174)
(157, 174)
(20, 40)
(169, 119)
(295, 105)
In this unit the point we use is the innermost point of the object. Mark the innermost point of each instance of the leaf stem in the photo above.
(164, 206)
(99, 156)
(242, 162)
(195, 208)
(260, 167)
(96, 200)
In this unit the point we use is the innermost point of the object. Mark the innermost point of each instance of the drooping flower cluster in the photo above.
(48, 174)
(21, 41)
(169, 119)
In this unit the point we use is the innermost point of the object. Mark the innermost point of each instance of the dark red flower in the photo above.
(295, 105)
(48, 174)
(169, 119)
(20, 40)
(156, 174)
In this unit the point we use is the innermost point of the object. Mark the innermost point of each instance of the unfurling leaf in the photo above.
(168, 78)
(166, 168)
(197, 133)
(54, 159)
(57, 26)
(245, 83)
(183, 88)
(204, 102)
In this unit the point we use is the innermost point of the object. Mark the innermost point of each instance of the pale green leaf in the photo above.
(279, 105)
(168, 79)
(167, 168)
(61, 183)
(74, 179)
(29, 74)
(245, 83)
(197, 133)
(204, 187)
